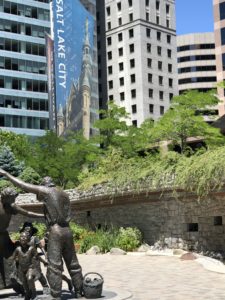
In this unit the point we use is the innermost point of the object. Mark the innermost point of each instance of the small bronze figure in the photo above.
(60, 244)
(7, 209)
(26, 256)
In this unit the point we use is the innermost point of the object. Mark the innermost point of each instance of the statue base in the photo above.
(107, 294)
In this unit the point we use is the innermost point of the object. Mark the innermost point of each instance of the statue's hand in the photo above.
(2, 172)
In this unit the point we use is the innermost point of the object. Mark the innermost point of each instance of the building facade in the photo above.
(23, 79)
(139, 38)
(219, 30)
(196, 62)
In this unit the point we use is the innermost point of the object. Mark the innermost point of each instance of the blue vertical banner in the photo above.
(73, 28)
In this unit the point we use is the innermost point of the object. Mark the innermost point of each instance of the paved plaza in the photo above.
(155, 277)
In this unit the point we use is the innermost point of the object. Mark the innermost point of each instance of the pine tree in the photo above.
(8, 161)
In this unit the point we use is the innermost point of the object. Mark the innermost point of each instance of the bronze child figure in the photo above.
(26, 256)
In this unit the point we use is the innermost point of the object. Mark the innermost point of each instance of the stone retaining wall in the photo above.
(176, 222)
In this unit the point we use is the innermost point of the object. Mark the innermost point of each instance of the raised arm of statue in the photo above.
(28, 187)
(25, 212)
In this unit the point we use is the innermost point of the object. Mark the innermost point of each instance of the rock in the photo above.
(93, 250)
(188, 256)
(117, 251)
(144, 248)
(179, 252)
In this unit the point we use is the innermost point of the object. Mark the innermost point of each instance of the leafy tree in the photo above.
(185, 119)
(8, 161)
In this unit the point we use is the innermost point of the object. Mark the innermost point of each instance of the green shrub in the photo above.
(128, 238)
(41, 227)
(78, 232)
(14, 236)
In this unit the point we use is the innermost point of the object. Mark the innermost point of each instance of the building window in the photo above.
(157, 20)
(122, 96)
(149, 62)
(132, 63)
(109, 41)
(168, 37)
(131, 46)
(169, 53)
(223, 36)
(131, 33)
(151, 108)
(121, 66)
(158, 35)
(109, 25)
(109, 70)
(159, 50)
(167, 8)
(160, 80)
(120, 51)
(108, 10)
(120, 21)
(148, 32)
(161, 110)
(134, 108)
(130, 17)
(150, 93)
(161, 95)
(147, 16)
(109, 54)
(170, 82)
(160, 65)
(134, 123)
(146, 2)
(132, 78)
(222, 10)
(121, 81)
(170, 66)
(119, 6)
(150, 77)
(148, 46)
(171, 96)
(167, 23)
(157, 5)
(130, 3)
(120, 37)
(133, 93)
(223, 61)
(110, 84)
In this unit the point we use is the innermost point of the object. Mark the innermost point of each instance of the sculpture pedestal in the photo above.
(107, 294)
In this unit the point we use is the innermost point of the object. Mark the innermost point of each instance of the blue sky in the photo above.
(194, 16)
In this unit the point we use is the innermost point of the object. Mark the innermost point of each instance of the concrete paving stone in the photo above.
(154, 277)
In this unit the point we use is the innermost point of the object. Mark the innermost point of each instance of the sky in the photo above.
(194, 16)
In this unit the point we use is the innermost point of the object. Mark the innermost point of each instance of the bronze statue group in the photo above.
(20, 261)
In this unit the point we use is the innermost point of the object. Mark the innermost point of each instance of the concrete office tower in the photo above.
(23, 80)
(219, 30)
(141, 56)
(196, 62)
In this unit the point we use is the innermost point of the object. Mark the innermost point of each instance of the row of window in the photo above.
(24, 103)
(151, 109)
(196, 57)
(131, 18)
(195, 47)
(20, 28)
(196, 69)
(148, 49)
(24, 10)
(22, 47)
(150, 80)
(23, 122)
(22, 65)
(25, 85)
(150, 94)
(149, 64)
(196, 79)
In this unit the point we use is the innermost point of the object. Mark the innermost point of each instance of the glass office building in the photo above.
(23, 79)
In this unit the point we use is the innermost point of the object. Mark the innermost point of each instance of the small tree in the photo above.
(185, 119)
(8, 161)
